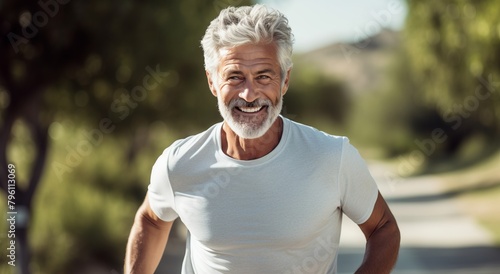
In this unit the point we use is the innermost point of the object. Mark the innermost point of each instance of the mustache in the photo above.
(242, 103)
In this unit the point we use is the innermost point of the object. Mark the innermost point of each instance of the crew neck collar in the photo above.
(273, 153)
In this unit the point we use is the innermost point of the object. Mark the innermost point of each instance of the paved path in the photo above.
(436, 236)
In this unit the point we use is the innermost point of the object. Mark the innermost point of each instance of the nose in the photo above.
(249, 92)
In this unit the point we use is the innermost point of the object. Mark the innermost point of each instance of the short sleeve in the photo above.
(358, 190)
(160, 193)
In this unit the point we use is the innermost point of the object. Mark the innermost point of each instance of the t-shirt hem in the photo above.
(367, 215)
(156, 210)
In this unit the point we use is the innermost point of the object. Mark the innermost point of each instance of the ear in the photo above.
(211, 83)
(286, 82)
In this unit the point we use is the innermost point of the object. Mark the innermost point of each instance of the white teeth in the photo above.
(250, 110)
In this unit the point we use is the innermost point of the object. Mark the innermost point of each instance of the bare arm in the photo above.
(383, 237)
(146, 242)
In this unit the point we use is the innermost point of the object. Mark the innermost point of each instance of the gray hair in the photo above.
(248, 25)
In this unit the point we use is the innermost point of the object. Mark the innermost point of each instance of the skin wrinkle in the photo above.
(250, 73)
(146, 218)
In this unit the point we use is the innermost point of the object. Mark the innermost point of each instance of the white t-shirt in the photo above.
(280, 213)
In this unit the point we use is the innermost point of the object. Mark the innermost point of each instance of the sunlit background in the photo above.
(91, 92)
(321, 23)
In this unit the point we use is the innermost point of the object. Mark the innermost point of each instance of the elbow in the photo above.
(397, 233)
(395, 238)
(394, 233)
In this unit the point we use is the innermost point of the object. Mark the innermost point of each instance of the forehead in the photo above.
(248, 57)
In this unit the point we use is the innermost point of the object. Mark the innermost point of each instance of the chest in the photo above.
(227, 209)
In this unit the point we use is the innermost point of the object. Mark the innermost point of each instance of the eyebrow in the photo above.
(239, 72)
(234, 71)
(266, 71)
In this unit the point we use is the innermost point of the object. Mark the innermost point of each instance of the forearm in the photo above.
(382, 249)
(145, 246)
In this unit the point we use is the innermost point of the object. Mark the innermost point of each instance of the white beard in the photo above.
(249, 128)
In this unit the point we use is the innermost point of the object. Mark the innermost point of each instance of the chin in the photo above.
(246, 126)
(249, 130)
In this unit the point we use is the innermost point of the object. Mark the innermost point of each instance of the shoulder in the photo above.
(191, 146)
(184, 145)
(314, 138)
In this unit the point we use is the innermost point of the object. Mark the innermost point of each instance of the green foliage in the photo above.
(451, 50)
(86, 225)
(445, 77)
(83, 214)
(92, 53)
(379, 122)
(316, 99)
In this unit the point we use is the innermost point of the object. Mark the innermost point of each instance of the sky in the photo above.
(318, 23)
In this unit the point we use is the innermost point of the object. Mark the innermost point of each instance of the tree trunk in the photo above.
(23, 197)
(24, 252)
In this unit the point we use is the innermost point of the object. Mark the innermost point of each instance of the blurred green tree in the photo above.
(449, 69)
(97, 63)
(317, 98)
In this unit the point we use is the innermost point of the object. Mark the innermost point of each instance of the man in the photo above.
(259, 193)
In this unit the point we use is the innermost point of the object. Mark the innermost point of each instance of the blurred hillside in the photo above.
(430, 90)
(362, 65)
(364, 70)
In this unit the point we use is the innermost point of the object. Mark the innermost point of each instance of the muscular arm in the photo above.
(383, 237)
(146, 242)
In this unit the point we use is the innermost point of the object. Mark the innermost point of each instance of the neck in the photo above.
(249, 149)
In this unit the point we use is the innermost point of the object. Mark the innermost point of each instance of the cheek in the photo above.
(274, 92)
(226, 93)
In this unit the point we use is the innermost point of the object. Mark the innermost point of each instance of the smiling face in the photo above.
(249, 88)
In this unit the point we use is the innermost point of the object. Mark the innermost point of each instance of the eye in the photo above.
(235, 79)
(264, 79)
